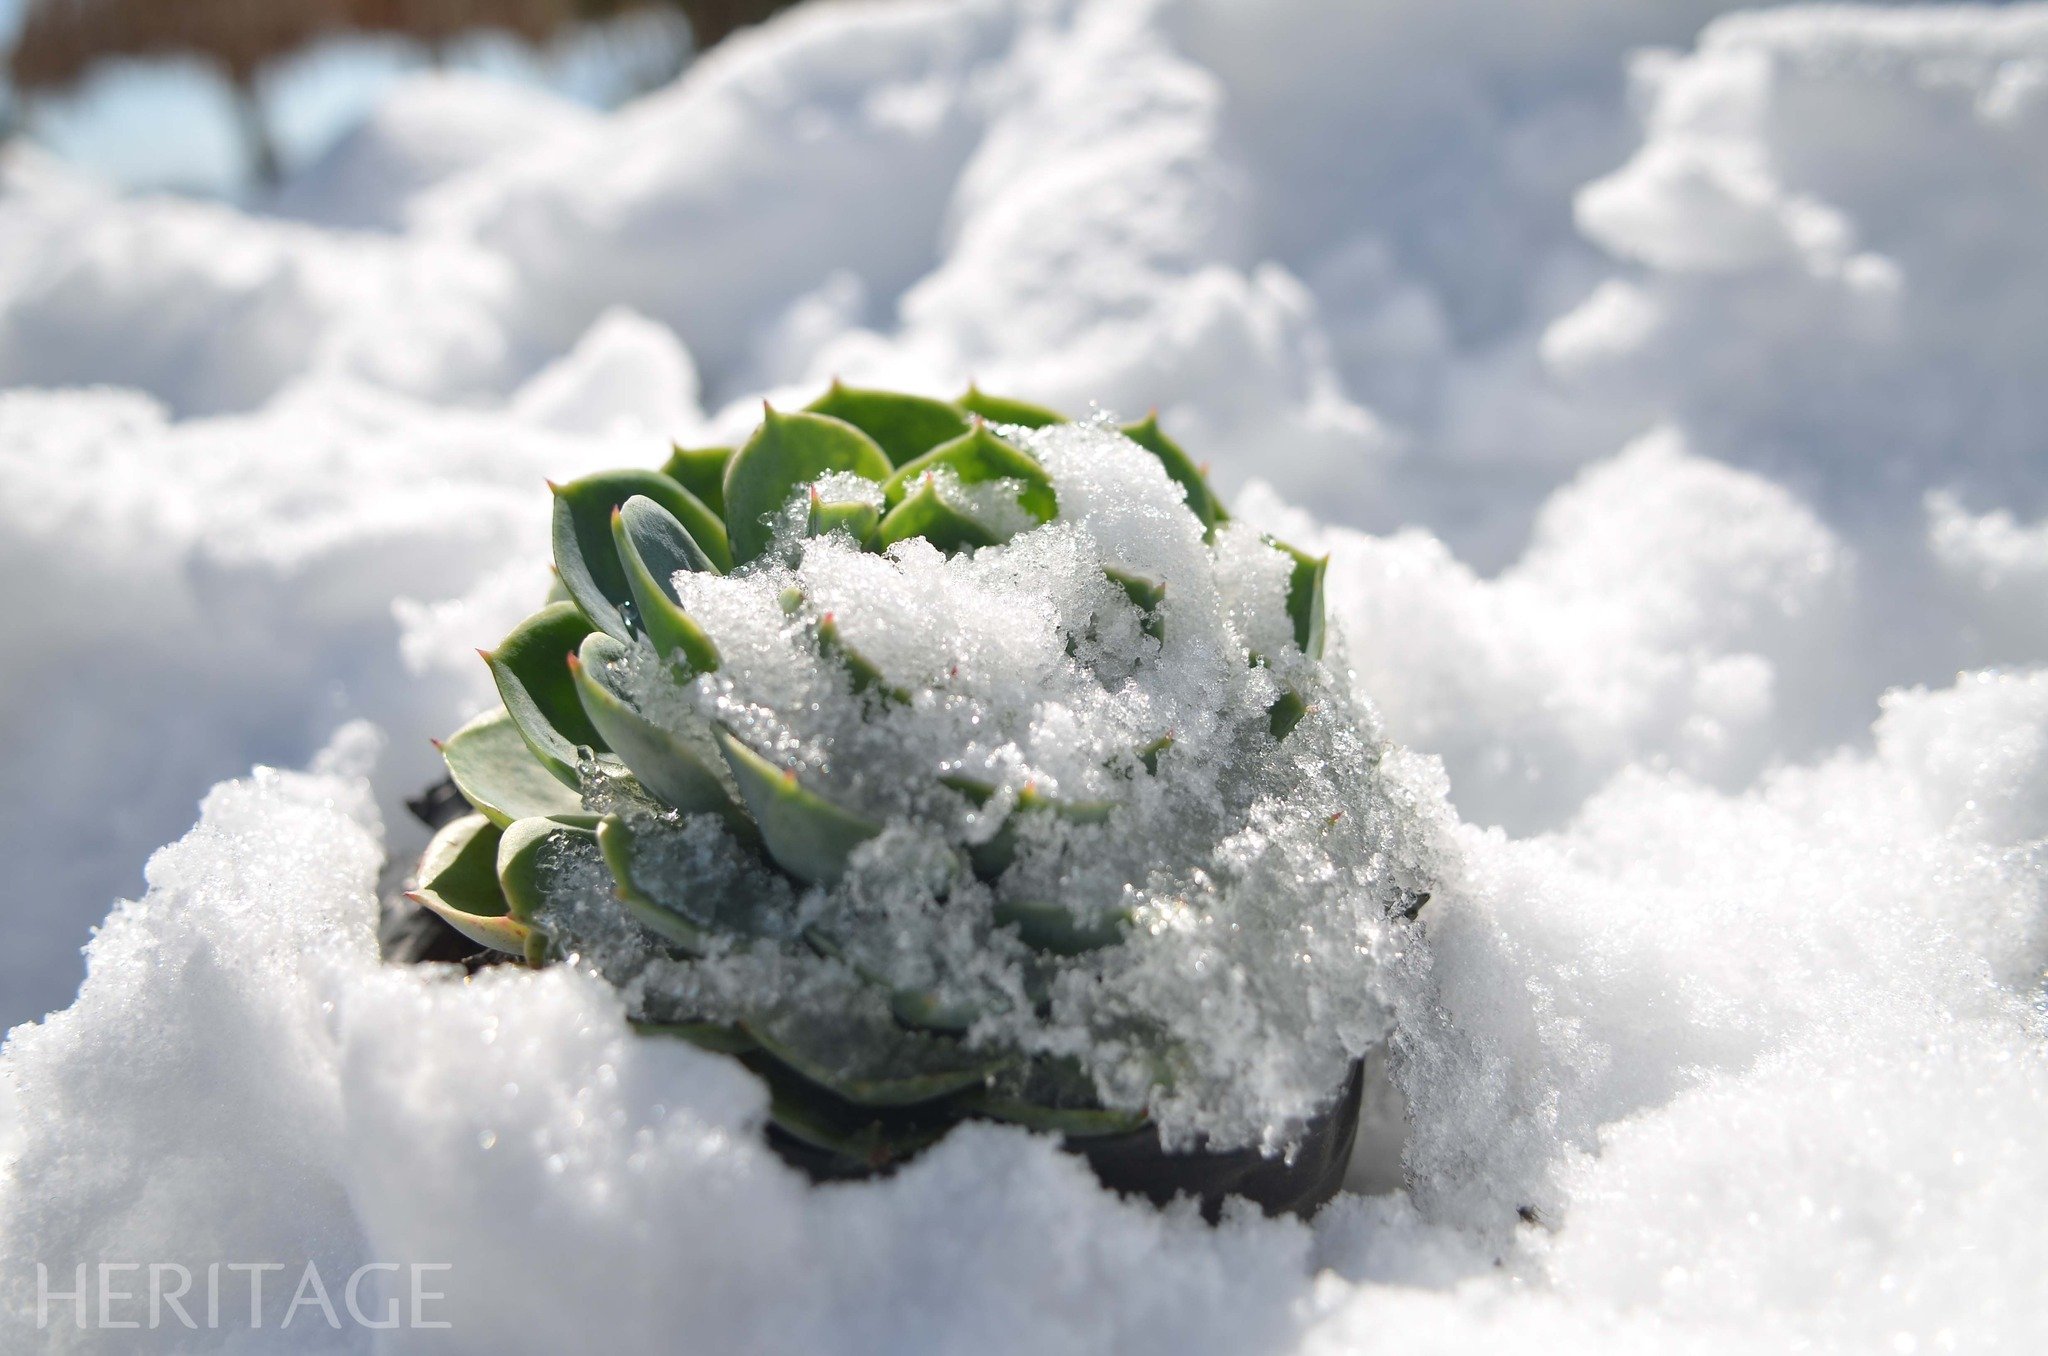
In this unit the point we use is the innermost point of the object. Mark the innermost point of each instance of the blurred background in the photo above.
(225, 98)
(1664, 375)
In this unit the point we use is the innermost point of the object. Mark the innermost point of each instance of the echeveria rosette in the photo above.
(597, 763)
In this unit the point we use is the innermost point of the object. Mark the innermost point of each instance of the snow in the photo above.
(1029, 671)
(1665, 387)
(428, 129)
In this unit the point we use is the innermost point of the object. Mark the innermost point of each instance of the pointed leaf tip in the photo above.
(787, 453)
(588, 514)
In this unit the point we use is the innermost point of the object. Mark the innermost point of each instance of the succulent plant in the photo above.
(639, 791)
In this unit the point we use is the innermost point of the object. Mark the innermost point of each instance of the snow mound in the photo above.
(427, 130)
(213, 311)
(198, 611)
(1839, 282)
(1674, 421)
(629, 1171)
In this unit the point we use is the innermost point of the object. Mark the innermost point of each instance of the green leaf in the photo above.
(1282, 716)
(860, 1139)
(701, 471)
(497, 773)
(999, 410)
(1074, 1122)
(806, 834)
(458, 879)
(615, 840)
(1149, 755)
(1051, 1093)
(992, 858)
(525, 863)
(866, 677)
(1305, 597)
(903, 426)
(531, 667)
(1202, 500)
(1148, 594)
(870, 1061)
(856, 517)
(668, 765)
(978, 456)
(1053, 927)
(925, 514)
(786, 452)
(587, 555)
(921, 1010)
(918, 1009)
(653, 547)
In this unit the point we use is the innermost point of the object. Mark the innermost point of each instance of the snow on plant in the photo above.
(945, 760)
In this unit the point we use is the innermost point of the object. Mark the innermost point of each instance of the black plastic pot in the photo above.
(1131, 1162)
(1134, 1163)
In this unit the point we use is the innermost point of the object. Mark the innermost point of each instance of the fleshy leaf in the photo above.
(1202, 500)
(1305, 597)
(917, 1009)
(615, 841)
(1148, 594)
(587, 555)
(992, 858)
(497, 772)
(664, 762)
(806, 834)
(701, 471)
(458, 879)
(788, 451)
(860, 669)
(523, 866)
(870, 1061)
(922, 1011)
(531, 667)
(999, 410)
(1076, 1122)
(1286, 713)
(653, 547)
(851, 1139)
(856, 517)
(925, 514)
(1053, 928)
(975, 457)
(903, 426)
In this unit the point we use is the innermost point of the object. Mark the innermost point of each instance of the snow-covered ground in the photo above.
(1668, 388)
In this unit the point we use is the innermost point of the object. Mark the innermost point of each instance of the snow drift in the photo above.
(1675, 426)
